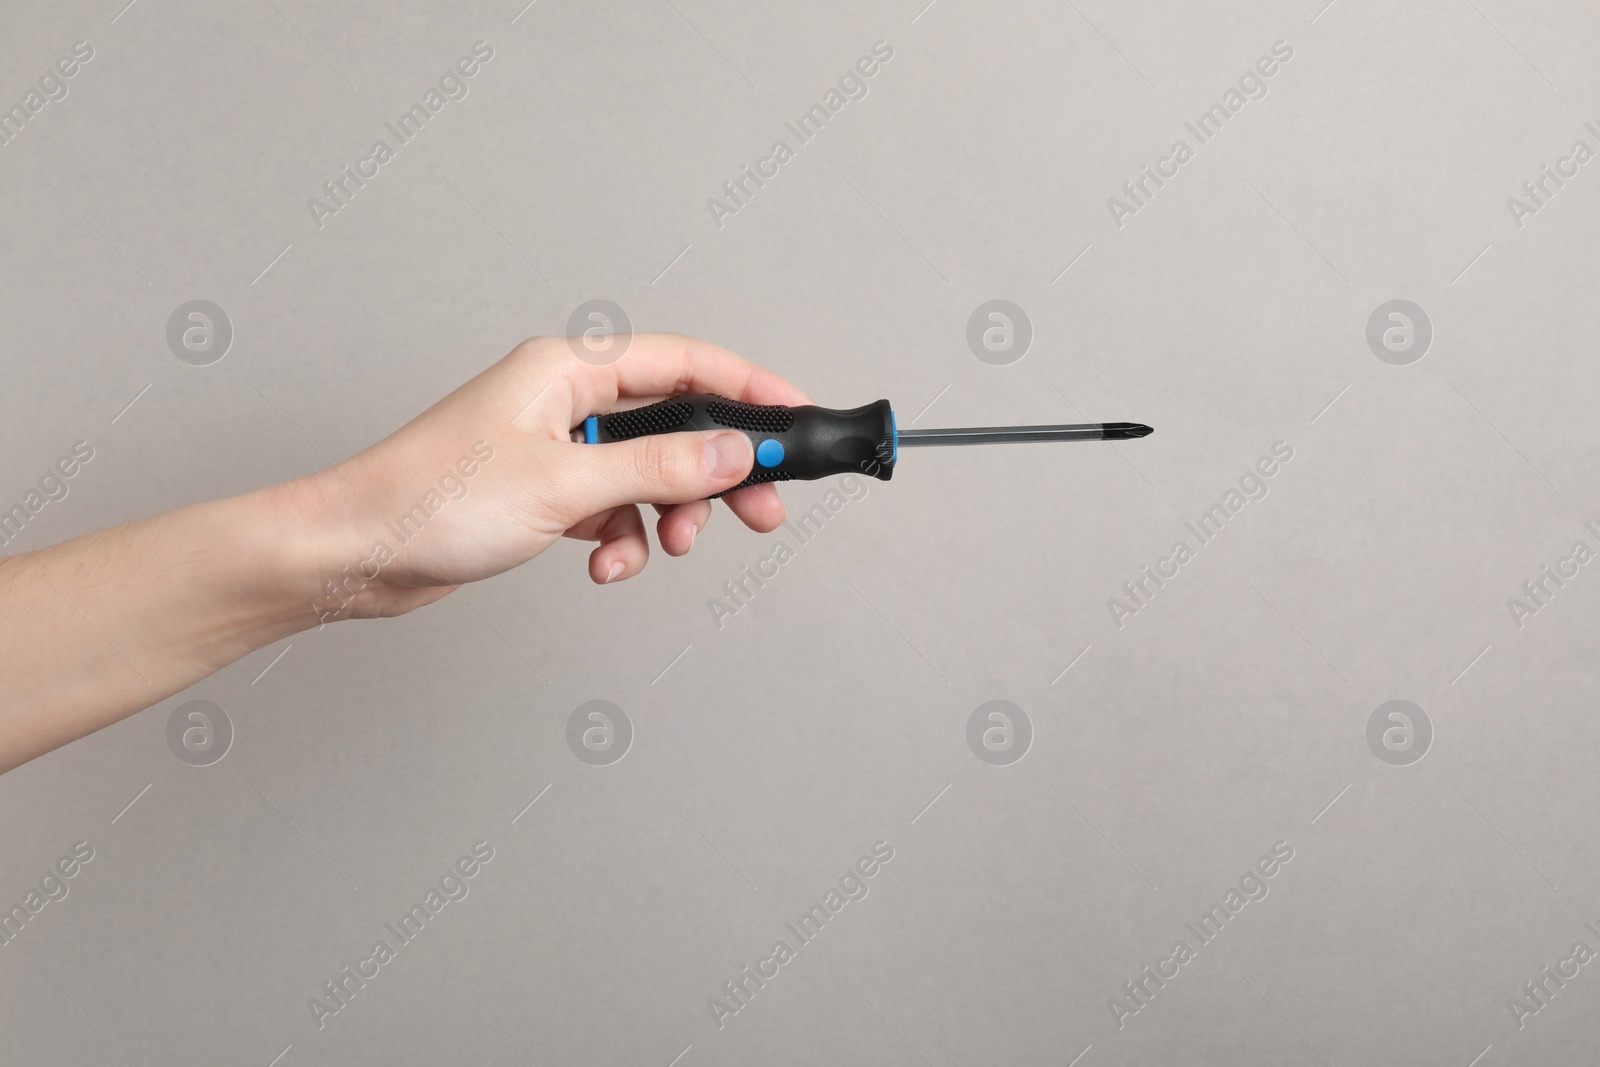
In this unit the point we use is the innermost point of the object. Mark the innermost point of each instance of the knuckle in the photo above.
(659, 463)
(534, 349)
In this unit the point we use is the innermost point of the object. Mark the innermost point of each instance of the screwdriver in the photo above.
(808, 441)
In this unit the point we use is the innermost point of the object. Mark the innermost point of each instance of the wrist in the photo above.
(267, 552)
(333, 558)
(306, 537)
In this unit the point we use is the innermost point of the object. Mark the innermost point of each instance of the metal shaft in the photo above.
(994, 435)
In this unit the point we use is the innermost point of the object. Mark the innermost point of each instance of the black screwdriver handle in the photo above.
(803, 442)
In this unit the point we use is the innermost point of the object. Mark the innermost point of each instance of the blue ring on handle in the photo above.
(894, 439)
(591, 430)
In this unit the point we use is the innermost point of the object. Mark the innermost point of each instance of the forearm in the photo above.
(104, 625)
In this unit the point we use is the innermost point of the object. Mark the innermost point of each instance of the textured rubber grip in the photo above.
(799, 443)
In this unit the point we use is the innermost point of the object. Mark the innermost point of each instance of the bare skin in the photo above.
(99, 627)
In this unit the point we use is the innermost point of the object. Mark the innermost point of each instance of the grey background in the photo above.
(1226, 716)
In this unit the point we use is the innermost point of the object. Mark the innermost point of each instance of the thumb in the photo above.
(673, 468)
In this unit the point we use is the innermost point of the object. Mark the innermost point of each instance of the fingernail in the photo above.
(616, 569)
(726, 453)
(693, 531)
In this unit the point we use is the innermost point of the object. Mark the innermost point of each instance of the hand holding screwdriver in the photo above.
(481, 482)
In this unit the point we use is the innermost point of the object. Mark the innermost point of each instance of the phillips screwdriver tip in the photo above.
(1124, 431)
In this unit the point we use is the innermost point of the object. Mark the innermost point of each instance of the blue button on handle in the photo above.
(769, 453)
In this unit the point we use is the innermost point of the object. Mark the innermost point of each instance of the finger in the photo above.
(673, 468)
(758, 507)
(667, 364)
(679, 524)
(623, 549)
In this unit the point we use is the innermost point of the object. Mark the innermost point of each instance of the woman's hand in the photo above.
(489, 477)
